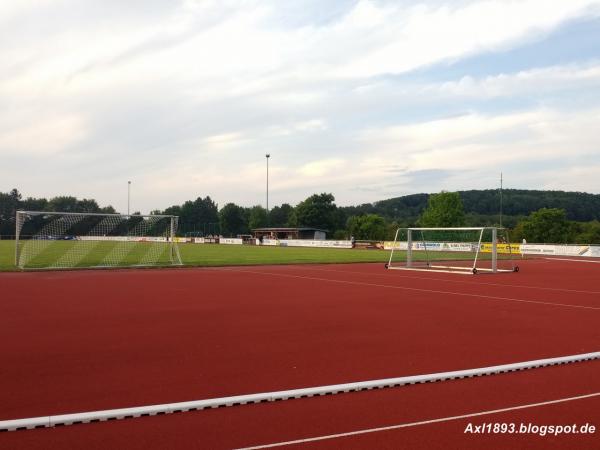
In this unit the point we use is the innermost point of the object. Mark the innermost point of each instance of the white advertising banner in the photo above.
(231, 241)
(103, 238)
(459, 246)
(388, 245)
(124, 238)
(593, 251)
(540, 249)
(432, 246)
(312, 243)
(154, 239)
(561, 250)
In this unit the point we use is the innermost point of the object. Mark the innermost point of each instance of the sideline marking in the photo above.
(168, 408)
(423, 422)
(406, 288)
(573, 260)
(445, 280)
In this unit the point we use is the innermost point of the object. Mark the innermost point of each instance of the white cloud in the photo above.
(543, 80)
(537, 149)
(323, 167)
(421, 35)
(475, 141)
(189, 96)
(44, 136)
(582, 178)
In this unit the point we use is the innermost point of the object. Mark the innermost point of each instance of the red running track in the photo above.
(82, 341)
(239, 427)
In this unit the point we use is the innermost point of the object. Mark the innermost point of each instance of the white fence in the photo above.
(572, 250)
(123, 238)
(592, 251)
(308, 243)
(561, 250)
(433, 246)
(231, 241)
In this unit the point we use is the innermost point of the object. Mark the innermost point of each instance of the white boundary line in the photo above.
(573, 260)
(466, 271)
(168, 408)
(446, 280)
(423, 422)
(407, 288)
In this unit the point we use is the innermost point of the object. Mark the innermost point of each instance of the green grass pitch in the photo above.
(215, 255)
(219, 255)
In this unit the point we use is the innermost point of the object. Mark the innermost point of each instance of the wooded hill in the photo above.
(483, 206)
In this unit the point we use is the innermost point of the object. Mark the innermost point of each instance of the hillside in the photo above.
(483, 206)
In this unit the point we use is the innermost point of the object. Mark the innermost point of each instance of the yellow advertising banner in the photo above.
(506, 249)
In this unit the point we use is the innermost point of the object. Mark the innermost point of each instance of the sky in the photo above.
(366, 99)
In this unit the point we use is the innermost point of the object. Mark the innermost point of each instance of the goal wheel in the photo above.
(474, 271)
(516, 269)
(386, 265)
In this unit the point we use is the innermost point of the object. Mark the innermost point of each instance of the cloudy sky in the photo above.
(366, 99)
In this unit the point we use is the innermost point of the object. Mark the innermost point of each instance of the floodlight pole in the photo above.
(267, 156)
(128, 195)
(501, 199)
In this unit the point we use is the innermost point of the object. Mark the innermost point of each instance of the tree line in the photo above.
(12, 201)
(543, 222)
(482, 207)
(203, 217)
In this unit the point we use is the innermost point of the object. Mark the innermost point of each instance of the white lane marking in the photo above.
(406, 288)
(422, 422)
(445, 280)
(573, 260)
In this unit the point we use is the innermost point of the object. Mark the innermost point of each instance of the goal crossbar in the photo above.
(55, 213)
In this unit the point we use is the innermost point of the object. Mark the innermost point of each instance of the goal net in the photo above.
(58, 240)
(456, 250)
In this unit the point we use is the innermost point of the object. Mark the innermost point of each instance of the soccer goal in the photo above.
(61, 240)
(455, 250)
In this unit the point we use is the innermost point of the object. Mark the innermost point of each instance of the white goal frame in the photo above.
(472, 269)
(159, 250)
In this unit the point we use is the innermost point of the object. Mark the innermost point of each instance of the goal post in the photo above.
(468, 250)
(65, 240)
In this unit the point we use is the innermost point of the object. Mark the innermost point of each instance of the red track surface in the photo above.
(82, 341)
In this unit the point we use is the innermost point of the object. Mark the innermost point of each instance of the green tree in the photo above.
(318, 211)
(280, 216)
(233, 220)
(443, 210)
(547, 225)
(108, 210)
(198, 215)
(9, 203)
(369, 227)
(174, 210)
(34, 204)
(257, 217)
(588, 232)
(63, 204)
(87, 205)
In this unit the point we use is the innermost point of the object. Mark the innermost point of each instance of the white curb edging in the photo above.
(168, 408)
